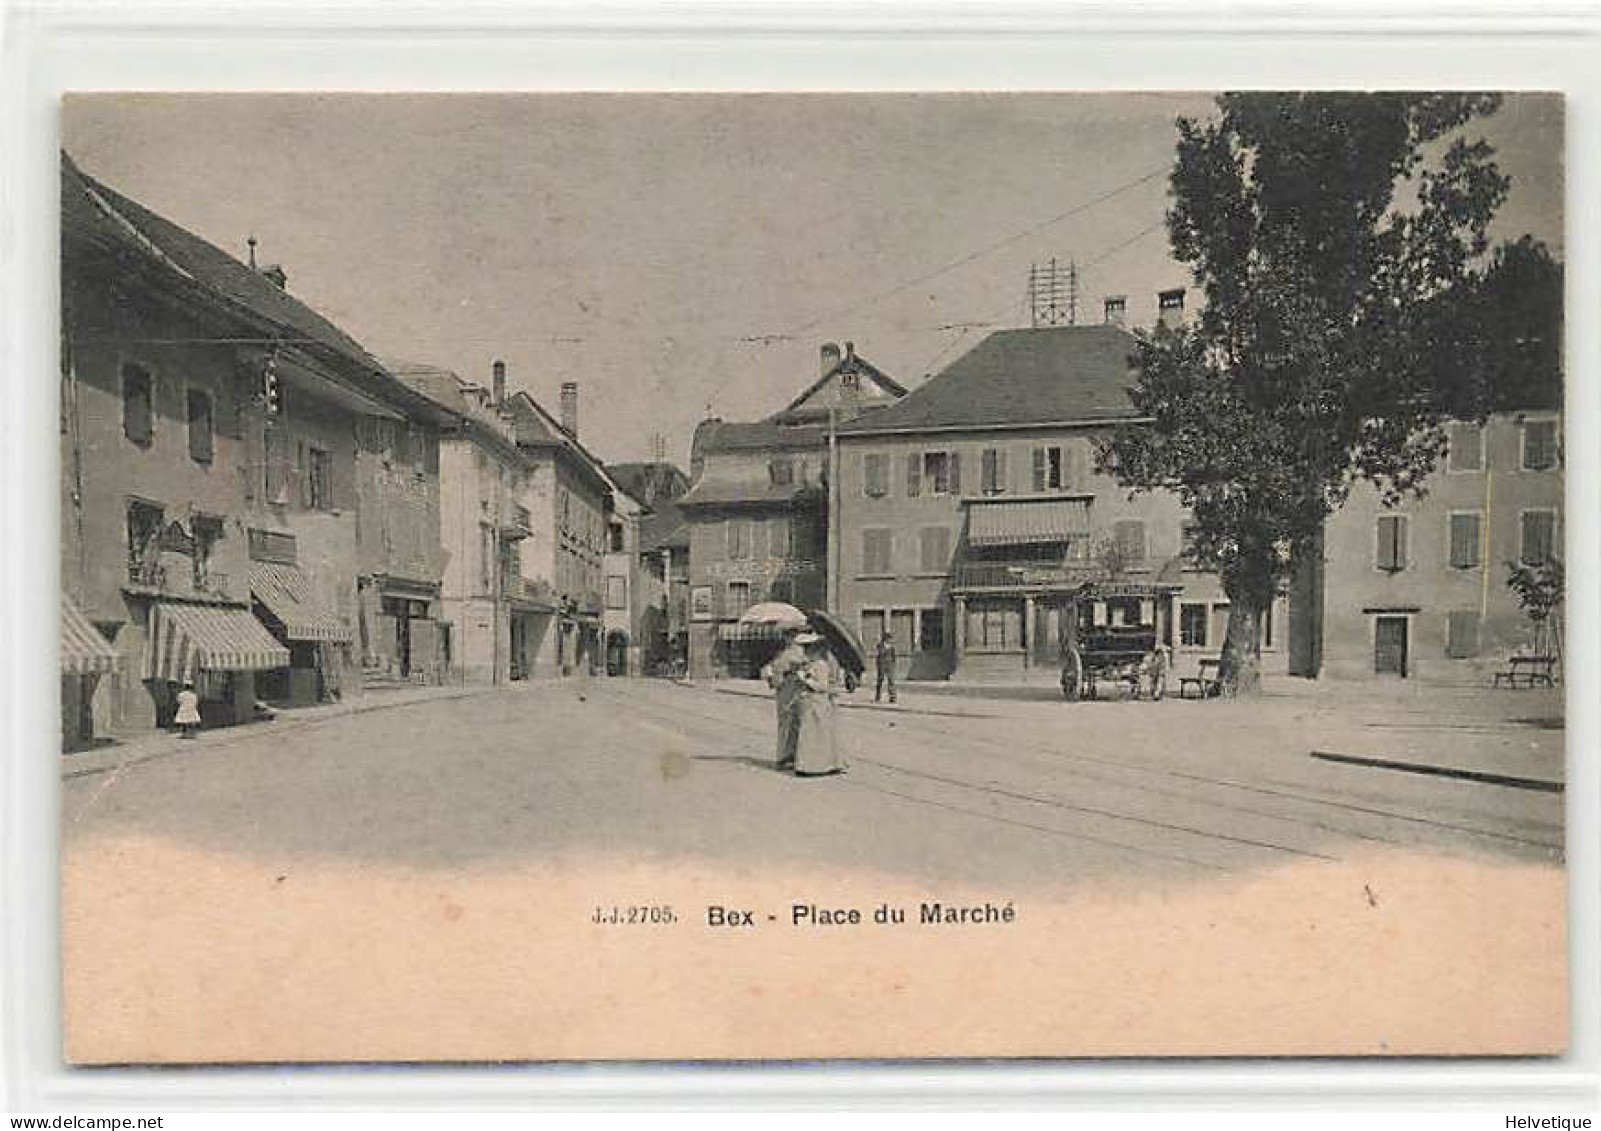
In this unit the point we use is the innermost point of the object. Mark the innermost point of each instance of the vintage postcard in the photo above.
(807, 576)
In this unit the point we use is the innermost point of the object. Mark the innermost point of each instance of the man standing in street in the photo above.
(885, 659)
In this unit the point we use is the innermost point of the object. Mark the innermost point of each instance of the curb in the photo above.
(134, 757)
(1512, 780)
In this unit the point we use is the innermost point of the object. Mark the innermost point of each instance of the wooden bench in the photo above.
(1527, 671)
(1205, 680)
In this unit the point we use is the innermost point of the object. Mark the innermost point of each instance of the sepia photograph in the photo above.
(811, 576)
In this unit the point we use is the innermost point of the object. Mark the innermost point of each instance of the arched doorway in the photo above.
(617, 652)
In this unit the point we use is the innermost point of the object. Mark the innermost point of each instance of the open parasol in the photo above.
(776, 614)
(842, 641)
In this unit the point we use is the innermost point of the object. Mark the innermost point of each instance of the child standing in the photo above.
(188, 716)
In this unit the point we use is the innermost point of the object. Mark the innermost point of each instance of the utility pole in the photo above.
(831, 558)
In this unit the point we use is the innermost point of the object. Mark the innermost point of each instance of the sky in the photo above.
(681, 256)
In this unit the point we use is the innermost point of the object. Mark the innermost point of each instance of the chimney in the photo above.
(830, 357)
(498, 382)
(569, 408)
(1116, 309)
(1170, 308)
(275, 272)
(850, 351)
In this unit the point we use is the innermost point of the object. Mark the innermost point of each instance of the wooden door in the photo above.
(1390, 646)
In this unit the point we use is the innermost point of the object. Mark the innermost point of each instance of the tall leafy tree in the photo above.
(1334, 238)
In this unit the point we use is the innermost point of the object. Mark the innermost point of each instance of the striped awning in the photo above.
(1033, 522)
(83, 650)
(288, 597)
(184, 640)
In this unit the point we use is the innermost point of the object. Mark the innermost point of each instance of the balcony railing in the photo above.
(149, 574)
(1020, 575)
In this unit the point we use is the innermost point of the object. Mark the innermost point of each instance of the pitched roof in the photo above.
(732, 492)
(649, 482)
(1015, 378)
(757, 435)
(210, 265)
(98, 213)
(536, 428)
(852, 363)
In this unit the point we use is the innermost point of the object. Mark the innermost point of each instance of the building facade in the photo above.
(1419, 590)
(757, 513)
(210, 471)
(562, 561)
(625, 588)
(969, 514)
(488, 617)
(661, 571)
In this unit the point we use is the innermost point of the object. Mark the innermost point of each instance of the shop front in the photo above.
(401, 638)
(318, 642)
(86, 656)
(220, 648)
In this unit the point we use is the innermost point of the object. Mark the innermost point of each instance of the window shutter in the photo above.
(1000, 471)
(731, 534)
(987, 471)
(1039, 469)
(956, 473)
(1465, 541)
(914, 474)
(1536, 537)
(1076, 472)
(1392, 543)
(1462, 636)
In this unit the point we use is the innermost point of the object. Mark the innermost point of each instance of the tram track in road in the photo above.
(937, 792)
(1320, 813)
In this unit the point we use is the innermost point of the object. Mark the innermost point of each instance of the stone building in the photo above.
(211, 471)
(1419, 590)
(561, 562)
(488, 616)
(757, 513)
(660, 593)
(968, 513)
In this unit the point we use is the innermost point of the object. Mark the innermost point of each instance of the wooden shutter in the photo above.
(1465, 541)
(1000, 471)
(1536, 537)
(988, 471)
(914, 474)
(955, 460)
(138, 409)
(935, 549)
(1039, 469)
(1462, 636)
(1392, 542)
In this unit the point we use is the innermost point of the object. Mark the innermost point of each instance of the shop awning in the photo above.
(184, 640)
(83, 650)
(1033, 522)
(289, 599)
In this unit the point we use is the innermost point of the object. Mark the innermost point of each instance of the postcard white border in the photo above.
(773, 46)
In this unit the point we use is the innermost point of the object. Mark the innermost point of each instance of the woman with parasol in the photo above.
(817, 750)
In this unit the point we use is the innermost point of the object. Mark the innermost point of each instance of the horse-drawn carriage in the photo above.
(1114, 635)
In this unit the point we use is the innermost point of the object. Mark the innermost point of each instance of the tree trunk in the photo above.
(1249, 581)
(1240, 670)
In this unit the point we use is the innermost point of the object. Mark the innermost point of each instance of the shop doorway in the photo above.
(1390, 646)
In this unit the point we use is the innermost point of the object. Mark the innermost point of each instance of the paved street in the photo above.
(342, 838)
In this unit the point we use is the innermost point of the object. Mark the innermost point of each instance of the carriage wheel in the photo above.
(1072, 676)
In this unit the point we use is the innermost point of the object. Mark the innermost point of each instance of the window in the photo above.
(1462, 634)
(756, 537)
(935, 547)
(738, 539)
(1048, 469)
(1466, 540)
(614, 537)
(1192, 626)
(738, 597)
(931, 630)
(914, 475)
(1128, 535)
(1539, 445)
(942, 471)
(1390, 554)
(616, 592)
(992, 471)
(138, 410)
(200, 430)
(875, 475)
(994, 627)
(144, 541)
(1189, 549)
(319, 479)
(486, 559)
(876, 547)
(781, 471)
(872, 626)
(778, 536)
(1465, 447)
(272, 546)
(1536, 537)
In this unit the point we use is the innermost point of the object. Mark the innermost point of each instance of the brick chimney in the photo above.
(1116, 309)
(1170, 308)
(498, 381)
(829, 357)
(569, 408)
